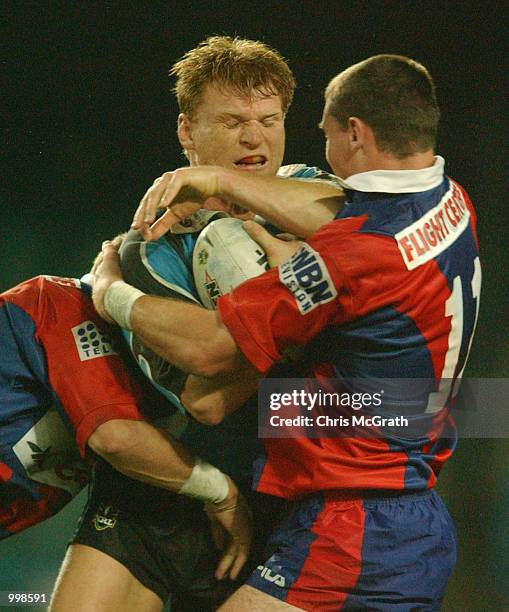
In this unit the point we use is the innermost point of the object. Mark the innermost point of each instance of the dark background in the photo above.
(89, 122)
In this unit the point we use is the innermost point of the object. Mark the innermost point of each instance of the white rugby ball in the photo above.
(224, 257)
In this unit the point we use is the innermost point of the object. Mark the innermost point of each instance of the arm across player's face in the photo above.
(296, 206)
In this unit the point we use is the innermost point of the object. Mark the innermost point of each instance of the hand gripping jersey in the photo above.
(60, 378)
(164, 267)
(389, 289)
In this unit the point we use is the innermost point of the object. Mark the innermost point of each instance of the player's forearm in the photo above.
(210, 400)
(296, 206)
(190, 337)
(143, 452)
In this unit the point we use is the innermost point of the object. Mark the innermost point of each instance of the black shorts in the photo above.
(162, 538)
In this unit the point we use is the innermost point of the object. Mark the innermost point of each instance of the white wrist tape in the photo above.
(206, 483)
(118, 301)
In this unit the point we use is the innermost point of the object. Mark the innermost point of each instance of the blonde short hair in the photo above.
(236, 64)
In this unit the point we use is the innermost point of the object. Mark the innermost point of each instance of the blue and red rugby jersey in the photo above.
(391, 289)
(60, 378)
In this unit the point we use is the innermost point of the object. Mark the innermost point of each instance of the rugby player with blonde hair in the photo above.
(233, 96)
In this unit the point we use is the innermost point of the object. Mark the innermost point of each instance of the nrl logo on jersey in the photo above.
(105, 518)
(306, 276)
(91, 342)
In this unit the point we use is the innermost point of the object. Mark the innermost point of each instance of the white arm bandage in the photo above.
(118, 301)
(206, 483)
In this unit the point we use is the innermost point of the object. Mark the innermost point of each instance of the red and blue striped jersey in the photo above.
(389, 289)
(60, 378)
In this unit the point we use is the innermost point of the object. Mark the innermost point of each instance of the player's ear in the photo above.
(185, 132)
(356, 131)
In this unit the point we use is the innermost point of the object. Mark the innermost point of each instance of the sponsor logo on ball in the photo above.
(212, 288)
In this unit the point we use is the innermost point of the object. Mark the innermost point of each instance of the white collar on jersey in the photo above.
(397, 181)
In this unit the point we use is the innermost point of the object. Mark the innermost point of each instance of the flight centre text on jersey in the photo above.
(308, 401)
(435, 231)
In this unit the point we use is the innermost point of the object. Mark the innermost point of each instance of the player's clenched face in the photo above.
(244, 134)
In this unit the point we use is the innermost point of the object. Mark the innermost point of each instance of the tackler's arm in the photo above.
(296, 206)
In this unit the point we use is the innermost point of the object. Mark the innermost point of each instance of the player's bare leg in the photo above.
(247, 599)
(91, 581)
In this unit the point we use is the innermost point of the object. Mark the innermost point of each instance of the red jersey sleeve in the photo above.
(291, 304)
(89, 378)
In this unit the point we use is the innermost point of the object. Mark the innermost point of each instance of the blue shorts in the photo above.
(332, 553)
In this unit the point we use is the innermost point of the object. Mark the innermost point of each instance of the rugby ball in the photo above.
(224, 257)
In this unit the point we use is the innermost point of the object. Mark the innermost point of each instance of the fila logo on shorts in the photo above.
(91, 341)
(306, 276)
(266, 573)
